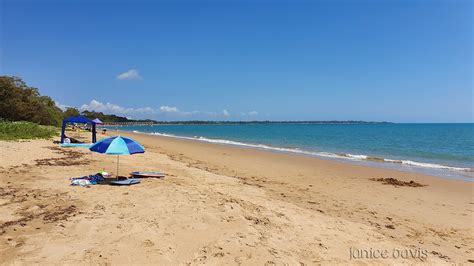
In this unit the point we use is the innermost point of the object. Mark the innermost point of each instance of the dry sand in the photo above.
(223, 205)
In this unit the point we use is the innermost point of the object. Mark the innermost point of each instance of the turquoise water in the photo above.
(441, 149)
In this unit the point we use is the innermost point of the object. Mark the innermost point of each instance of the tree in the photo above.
(19, 102)
(103, 117)
(71, 111)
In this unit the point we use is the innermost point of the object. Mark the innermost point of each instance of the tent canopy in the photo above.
(78, 120)
(97, 121)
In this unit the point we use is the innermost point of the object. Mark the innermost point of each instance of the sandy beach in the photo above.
(224, 205)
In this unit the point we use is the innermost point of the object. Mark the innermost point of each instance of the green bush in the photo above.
(26, 130)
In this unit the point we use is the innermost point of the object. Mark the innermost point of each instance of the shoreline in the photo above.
(281, 155)
(431, 169)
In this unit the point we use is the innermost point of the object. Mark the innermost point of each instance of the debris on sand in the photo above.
(71, 157)
(397, 183)
(390, 226)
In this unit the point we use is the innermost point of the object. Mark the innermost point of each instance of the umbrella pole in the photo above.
(118, 167)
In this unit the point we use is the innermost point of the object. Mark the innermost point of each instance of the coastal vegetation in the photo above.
(20, 102)
(111, 118)
(26, 130)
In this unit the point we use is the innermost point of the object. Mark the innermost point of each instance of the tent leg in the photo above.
(94, 138)
(63, 129)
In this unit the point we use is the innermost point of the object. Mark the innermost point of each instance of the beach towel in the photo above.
(87, 180)
(81, 145)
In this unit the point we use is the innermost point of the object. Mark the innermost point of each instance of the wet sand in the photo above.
(224, 205)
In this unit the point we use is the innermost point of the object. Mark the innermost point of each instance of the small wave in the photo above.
(357, 157)
(405, 162)
(428, 165)
(348, 156)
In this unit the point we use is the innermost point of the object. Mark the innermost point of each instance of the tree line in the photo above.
(20, 102)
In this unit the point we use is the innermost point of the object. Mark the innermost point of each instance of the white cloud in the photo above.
(131, 74)
(61, 106)
(250, 113)
(253, 113)
(169, 109)
(111, 108)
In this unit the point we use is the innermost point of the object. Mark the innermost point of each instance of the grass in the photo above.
(26, 130)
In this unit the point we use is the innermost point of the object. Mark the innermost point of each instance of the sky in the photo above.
(399, 61)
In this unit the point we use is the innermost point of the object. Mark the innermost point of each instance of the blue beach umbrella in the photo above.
(117, 146)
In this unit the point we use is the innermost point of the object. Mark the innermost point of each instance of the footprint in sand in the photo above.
(241, 259)
(148, 243)
(219, 254)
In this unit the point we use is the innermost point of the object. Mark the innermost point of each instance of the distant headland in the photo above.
(205, 122)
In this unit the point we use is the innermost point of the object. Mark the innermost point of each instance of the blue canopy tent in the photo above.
(78, 120)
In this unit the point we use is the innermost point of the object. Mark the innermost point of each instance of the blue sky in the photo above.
(401, 61)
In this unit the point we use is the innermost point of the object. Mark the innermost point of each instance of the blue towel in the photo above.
(94, 179)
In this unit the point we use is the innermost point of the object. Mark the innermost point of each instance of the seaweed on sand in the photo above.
(398, 183)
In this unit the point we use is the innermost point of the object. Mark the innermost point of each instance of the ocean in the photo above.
(445, 150)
